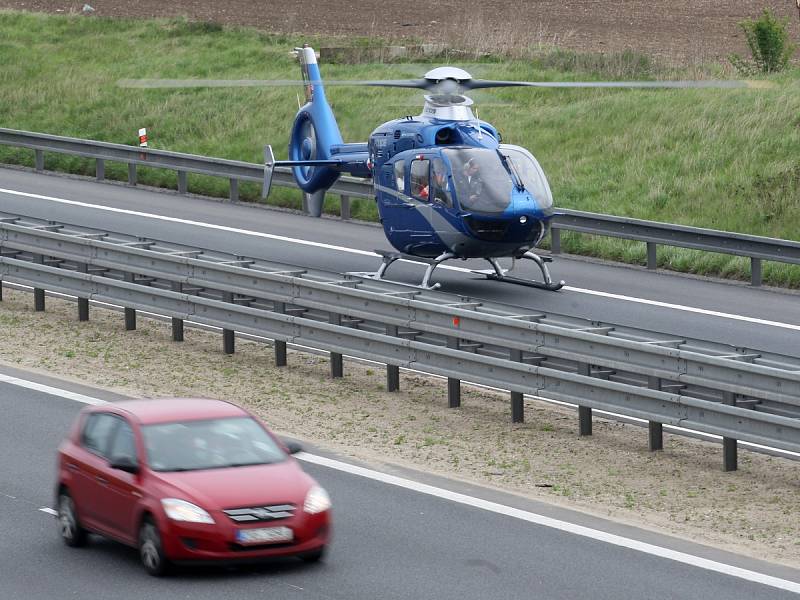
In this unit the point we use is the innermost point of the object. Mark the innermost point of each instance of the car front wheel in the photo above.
(151, 551)
(68, 524)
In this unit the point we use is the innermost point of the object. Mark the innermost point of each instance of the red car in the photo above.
(187, 480)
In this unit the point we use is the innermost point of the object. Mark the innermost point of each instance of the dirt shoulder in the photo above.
(681, 491)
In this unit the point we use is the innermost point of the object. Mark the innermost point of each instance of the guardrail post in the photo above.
(234, 193)
(517, 404)
(755, 272)
(1, 290)
(655, 430)
(453, 384)
(392, 371)
(38, 293)
(38, 156)
(345, 210)
(584, 412)
(280, 346)
(131, 173)
(99, 169)
(83, 303)
(183, 182)
(652, 257)
(177, 324)
(337, 369)
(730, 451)
(130, 313)
(555, 240)
(227, 334)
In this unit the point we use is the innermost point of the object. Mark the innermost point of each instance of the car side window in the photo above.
(124, 443)
(97, 432)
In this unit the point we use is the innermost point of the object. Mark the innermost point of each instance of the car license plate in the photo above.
(265, 535)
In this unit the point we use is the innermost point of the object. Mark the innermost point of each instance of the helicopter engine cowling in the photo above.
(309, 140)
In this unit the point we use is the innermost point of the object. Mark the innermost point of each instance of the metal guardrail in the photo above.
(664, 234)
(739, 394)
(182, 163)
(652, 233)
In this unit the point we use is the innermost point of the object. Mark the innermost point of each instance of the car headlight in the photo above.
(317, 501)
(181, 510)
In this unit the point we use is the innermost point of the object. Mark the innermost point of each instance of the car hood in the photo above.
(238, 487)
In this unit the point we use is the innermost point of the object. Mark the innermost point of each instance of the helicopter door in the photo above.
(394, 204)
(421, 223)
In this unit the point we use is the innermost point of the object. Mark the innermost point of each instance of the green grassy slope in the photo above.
(725, 159)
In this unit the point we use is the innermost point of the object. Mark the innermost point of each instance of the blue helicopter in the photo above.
(445, 185)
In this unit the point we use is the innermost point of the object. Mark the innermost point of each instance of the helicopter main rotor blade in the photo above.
(445, 86)
(203, 83)
(230, 83)
(477, 84)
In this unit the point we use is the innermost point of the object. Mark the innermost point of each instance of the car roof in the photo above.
(166, 410)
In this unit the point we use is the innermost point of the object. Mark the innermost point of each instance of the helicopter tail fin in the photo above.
(315, 131)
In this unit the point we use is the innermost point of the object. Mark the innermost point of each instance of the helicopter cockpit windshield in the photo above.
(484, 184)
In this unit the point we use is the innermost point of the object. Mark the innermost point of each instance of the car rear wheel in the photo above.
(68, 524)
(151, 551)
(313, 556)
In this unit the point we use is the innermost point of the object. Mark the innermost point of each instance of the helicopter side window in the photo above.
(440, 189)
(420, 180)
(399, 175)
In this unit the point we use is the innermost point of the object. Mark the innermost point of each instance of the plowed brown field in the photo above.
(679, 30)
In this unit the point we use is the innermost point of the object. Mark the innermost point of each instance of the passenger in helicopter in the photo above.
(440, 191)
(470, 180)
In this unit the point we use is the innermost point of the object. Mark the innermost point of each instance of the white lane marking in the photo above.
(136, 213)
(501, 509)
(49, 511)
(691, 309)
(46, 389)
(530, 517)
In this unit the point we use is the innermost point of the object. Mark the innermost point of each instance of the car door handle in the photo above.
(101, 480)
(73, 467)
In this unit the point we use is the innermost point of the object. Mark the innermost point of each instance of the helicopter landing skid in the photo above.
(499, 274)
(387, 258)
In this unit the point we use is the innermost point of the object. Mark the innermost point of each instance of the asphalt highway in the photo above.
(390, 542)
(676, 305)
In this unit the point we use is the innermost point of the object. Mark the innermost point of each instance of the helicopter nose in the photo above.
(524, 205)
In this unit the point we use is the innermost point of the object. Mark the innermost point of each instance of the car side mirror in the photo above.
(293, 447)
(124, 463)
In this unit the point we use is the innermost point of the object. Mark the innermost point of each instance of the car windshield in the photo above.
(209, 444)
(482, 183)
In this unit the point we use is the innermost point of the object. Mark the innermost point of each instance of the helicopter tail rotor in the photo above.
(314, 132)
